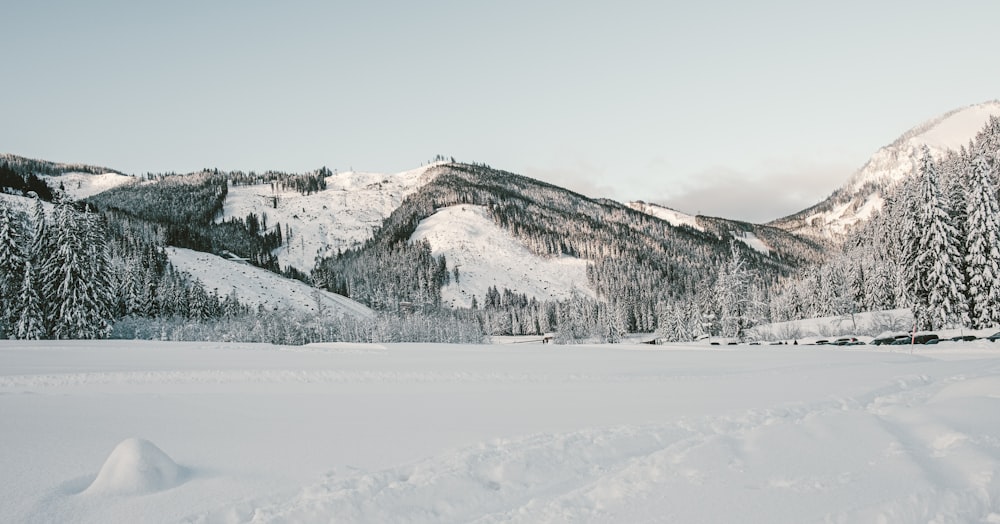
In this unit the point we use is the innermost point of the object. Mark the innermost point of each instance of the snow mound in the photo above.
(136, 467)
(487, 255)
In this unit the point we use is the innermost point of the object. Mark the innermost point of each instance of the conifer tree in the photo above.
(983, 245)
(936, 262)
(77, 291)
(29, 323)
(11, 267)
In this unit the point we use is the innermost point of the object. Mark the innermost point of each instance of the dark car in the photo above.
(929, 338)
(964, 338)
(994, 337)
(885, 341)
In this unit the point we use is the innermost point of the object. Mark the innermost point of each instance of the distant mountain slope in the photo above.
(258, 287)
(766, 240)
(489, 256)
(516, 231)
(79, 185)
(45, 167)
(863, 194)
(343, 215)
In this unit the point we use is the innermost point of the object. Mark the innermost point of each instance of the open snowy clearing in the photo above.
(123, 431)
(256, 287)
(339, 217)
(489, 256)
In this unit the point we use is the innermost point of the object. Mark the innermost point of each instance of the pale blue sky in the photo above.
(748, 110)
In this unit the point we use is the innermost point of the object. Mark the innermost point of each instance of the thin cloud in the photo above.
(761, 198)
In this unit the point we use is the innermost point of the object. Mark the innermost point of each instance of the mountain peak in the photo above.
(862, 195)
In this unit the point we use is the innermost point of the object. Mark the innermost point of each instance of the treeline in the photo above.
(68, 274)
(22, 182)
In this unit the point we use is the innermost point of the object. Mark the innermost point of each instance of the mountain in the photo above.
(495, 232)
(864, 192)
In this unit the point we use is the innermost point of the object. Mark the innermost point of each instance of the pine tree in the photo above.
(11, 267)
(936, 262)
(30, 323)
(78, 291)
(983, 245)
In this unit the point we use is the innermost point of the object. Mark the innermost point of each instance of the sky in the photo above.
(746, 110)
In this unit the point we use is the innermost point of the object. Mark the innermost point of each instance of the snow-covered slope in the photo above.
(678, 219)
(341, 216)
(487, 255)
(674, 217)
(83, 185)
(258, 287)
(861, 196)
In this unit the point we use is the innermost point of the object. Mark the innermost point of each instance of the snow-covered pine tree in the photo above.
(936, 262)
(982, 244)
(77, 290)
(732, 295)
(29, 321)
(11, 267)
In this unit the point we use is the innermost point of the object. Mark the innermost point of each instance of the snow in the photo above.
(136, 466)
(675, 218)
(752, 242)
(343, 215)
(258, 287)
(82, 185)
(488, 255)
(513, 433)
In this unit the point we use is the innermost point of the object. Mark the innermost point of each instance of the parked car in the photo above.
(846, 341)
(885, 340)
(994, 337)
(926, 338)
(965, 338)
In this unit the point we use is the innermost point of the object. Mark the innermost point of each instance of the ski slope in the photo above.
(673, 217)
(130, 431)
(341, 216)
(257, 287)
(82, 185)
(488, 255)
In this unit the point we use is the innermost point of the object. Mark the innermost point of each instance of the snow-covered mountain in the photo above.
(341, 216)
(862, 195)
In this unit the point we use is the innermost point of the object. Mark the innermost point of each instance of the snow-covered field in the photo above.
(123, 431)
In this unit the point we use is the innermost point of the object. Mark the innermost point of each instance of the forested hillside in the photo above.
(934, 247)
